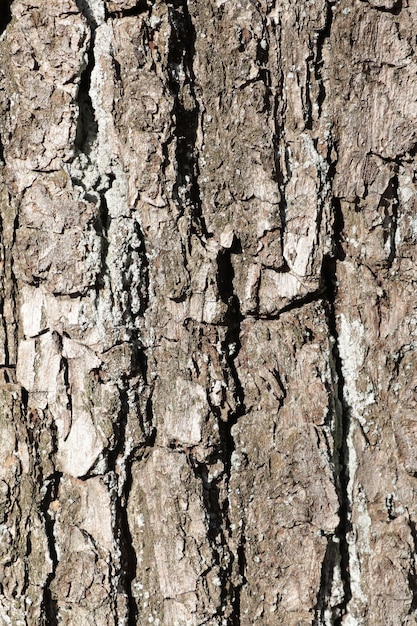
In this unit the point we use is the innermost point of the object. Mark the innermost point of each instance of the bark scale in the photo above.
(207, 338)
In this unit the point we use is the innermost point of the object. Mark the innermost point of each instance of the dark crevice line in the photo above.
(101, 227)
(2, 161)
(5, 14)
(87, 128)
(342, 425)
(214, 511)
(330, 562)
(279, 141)
(323, 35)
(3, 299)
(389, 204)
(412, 574)
(128, 561)
(337, 552)
(65, 368)
(85, 8)
(186, 113)
(142, 290)
(140, 7)
(395, 10)
(231, 348)
(307, 101)
(219, 525)
(13, 294)
(49, 607)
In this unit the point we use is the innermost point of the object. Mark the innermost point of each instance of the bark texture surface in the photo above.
(208, 312)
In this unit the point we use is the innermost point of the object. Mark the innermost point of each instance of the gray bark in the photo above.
(208, 320)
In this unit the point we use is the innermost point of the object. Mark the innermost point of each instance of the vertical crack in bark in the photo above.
(332, 601)
(281, 157)
(186, 111)
(231, 347)
(88, 144)
(5, 14)
(121, 492)
(322, 36)
(11, 341)
(337, 554)
(412, 575)
(86, 9)
(102, 226)
(215, 490)
(49, 606)
(87, 128)
(3, 253)
(389, 204)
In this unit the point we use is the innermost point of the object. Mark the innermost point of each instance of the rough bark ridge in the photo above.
(208, 329)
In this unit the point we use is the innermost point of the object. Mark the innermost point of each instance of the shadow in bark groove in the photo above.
(322, 36)
(128, 561)
(389, 204)
(412, 575)
(231, 348)
(186, 192)
(5, 14)
(140, 7)
(87, 127)
(338, 553)
(49, 605)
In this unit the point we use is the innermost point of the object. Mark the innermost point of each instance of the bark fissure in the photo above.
(389, 204)
(231, 348)
(322, 36)
(338, 545)
(87, 129)
(186, 114)
(140, 7)
(207, 312)
(121, 490)
(49, 605)
(5, 14)
(412, 575)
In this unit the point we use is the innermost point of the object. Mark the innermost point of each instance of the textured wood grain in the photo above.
(208, 320)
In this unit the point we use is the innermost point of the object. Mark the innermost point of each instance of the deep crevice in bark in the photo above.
(128, 561)
(395, 10)
(5, 14)
(140, 7)
(321, 38)
(87, 127)
(13, 295)
(281, 156)
(215, 515)
(85, 8)
(186, 112)
(389, 204)
(341, 435)
(298, 303)
(142, 262)
(101, 227)
(49, 605)
(231, 348)
(412, 574)
(330, 562)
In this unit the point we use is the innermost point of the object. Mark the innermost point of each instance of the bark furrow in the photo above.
(207, 312)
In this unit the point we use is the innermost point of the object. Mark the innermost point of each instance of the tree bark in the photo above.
(208, 321)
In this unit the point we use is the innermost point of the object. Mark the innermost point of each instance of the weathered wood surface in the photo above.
(208, 312)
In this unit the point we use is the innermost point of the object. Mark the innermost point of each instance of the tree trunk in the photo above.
(208, 330)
